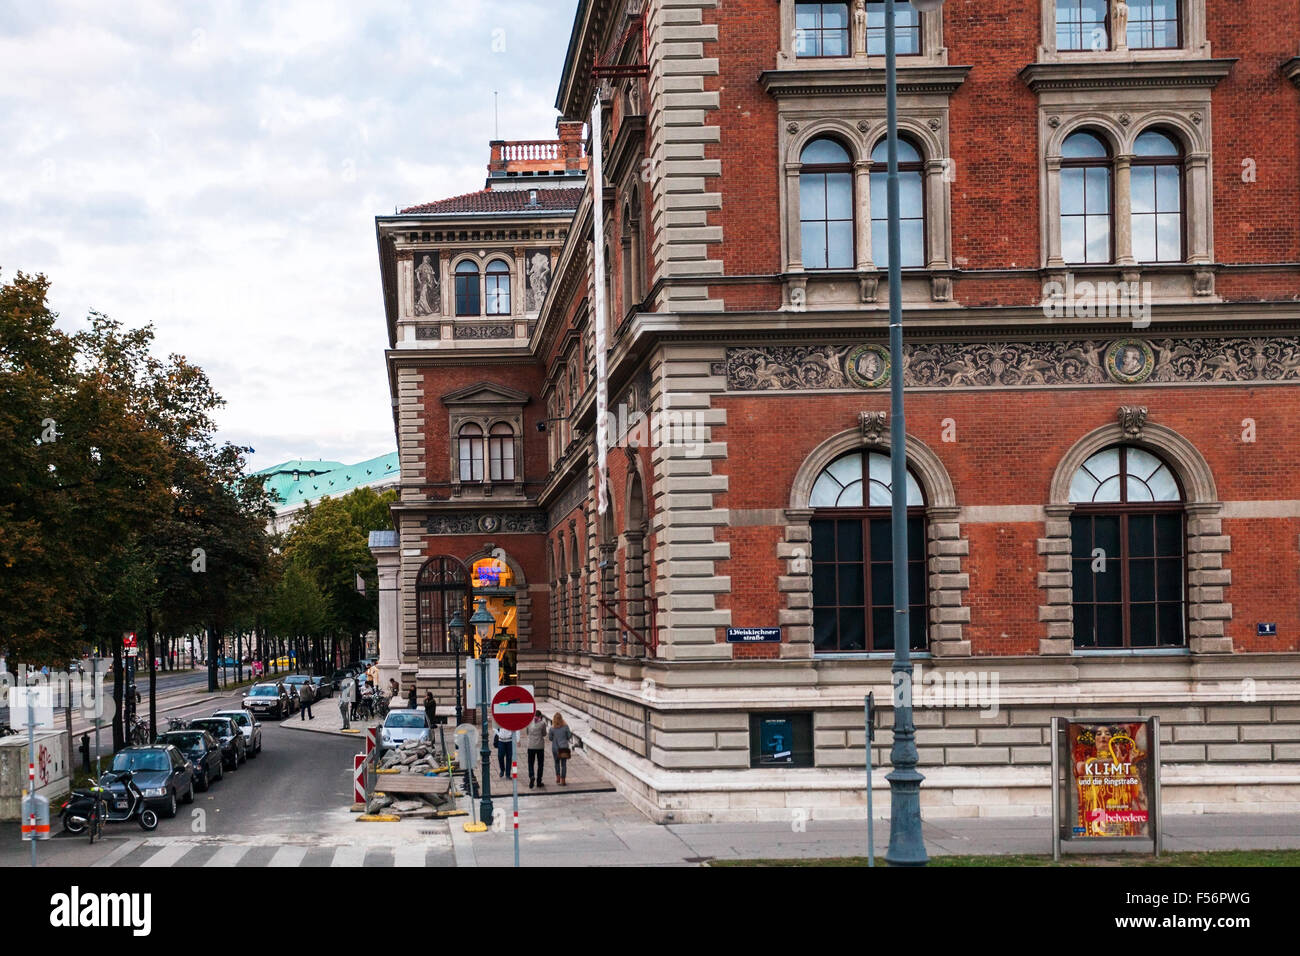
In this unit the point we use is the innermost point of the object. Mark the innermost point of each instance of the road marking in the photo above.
(349, 856)
(122, 851)
(228, 856)
(288, 856)
(169, 855)
(409, 855)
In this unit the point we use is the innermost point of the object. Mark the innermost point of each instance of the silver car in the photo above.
(403, 725)
(249, 725)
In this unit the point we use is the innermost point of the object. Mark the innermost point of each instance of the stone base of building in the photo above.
(676, 744)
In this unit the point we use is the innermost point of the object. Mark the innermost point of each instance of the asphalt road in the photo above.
(294, 788)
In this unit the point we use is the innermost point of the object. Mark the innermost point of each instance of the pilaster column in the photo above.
(1199, 235)
(936, 222)
(1122, 227)
(793, 239)
(862, 220)
(1053, 199)
(1056, 582)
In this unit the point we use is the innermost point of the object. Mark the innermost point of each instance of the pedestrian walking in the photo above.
(505, 741)
(345, 711)
(430, 708)
(393, 689)
(410, 698)
(348, 696)
(561, 738)
(535, 744)
(306, 696)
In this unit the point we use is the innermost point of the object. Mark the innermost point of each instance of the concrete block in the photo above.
(1238, 752)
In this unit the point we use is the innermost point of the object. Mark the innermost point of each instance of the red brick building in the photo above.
(1101, 261)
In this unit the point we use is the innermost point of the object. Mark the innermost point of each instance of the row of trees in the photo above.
(121, 511)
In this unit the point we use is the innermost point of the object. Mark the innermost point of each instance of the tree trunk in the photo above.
(118, 736)
(212, 660)
(153, 671)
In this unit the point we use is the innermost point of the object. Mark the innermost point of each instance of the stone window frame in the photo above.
(523, 591)
(481, 262)
(1195, 42)
(485, 421)
(946, 550)
(860, 131)
(1207, 612)
(933, 52)
(1119, 124)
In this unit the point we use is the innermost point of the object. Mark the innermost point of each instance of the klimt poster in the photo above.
(1110, 777)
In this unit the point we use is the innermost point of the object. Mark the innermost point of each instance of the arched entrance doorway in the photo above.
(494, 582)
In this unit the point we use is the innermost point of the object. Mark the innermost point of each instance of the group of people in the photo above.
(535, 736)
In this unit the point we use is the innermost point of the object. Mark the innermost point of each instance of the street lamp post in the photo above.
(456, 628)
(484, 623)
(906, 845)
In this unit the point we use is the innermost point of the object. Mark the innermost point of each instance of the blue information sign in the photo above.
(753, 635)
(1266, 630)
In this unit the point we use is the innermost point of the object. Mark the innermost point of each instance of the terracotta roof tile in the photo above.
(503, 200)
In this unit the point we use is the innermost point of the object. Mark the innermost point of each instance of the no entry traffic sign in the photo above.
(513, 708)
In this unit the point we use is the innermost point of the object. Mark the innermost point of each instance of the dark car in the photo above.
(302, 685)
(269, 699)
(228, 734)
(323, 686)
(161, 772)
(339, 676)
(203, 752)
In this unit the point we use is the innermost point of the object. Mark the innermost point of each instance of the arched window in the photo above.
(497, 281)
(852, 556)
(470, 440)
(826, 205)
(632, 251)
(1085, 199)
(1157, 195)
(911, 204)
(821, 29)
(501, 452)
(1129, 555)
(441, 589)
(907, 29)
(467, 289)
(1083, 25)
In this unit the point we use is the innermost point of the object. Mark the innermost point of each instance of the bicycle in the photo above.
(140, 733)
(98, 814)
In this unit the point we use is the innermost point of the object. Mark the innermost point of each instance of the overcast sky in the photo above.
(216, 168)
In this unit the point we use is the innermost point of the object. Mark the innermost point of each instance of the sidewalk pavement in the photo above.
(603, 829)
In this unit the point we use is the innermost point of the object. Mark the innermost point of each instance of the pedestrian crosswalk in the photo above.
(211, 853)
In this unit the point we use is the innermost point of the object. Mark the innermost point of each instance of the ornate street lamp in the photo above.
(456, 631)
(484, 623)
(906, 845)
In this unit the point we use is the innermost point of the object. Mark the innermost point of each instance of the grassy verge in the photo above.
(1215, 858)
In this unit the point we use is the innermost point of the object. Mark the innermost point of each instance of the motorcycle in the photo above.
(117, 798)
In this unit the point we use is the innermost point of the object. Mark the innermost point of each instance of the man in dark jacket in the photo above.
(410, 698)
(430, 708)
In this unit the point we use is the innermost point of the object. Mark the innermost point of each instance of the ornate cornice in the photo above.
(862, 81)
(486, 522)
(1125, 74)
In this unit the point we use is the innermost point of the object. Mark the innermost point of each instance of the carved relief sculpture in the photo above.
(1132, 419)
(428, 286)
(1125, 361)
(860, 27)
(539, 279)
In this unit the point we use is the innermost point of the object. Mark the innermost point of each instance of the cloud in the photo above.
(215, 170)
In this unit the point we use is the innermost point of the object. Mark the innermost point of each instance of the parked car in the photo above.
(249, 725)
(302, 685)
(285, 661)
(323, 686)
(269, 699)
(228, 735)
(403, 725)
(202, 750)
(161, 772)
(339, 676)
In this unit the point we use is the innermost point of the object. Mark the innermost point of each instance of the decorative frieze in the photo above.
(485, 331)
(476, 522)
(1044, 363)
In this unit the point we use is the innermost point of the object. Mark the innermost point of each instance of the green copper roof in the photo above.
(296, 482)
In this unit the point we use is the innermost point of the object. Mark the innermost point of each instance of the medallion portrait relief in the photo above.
(428, 286)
